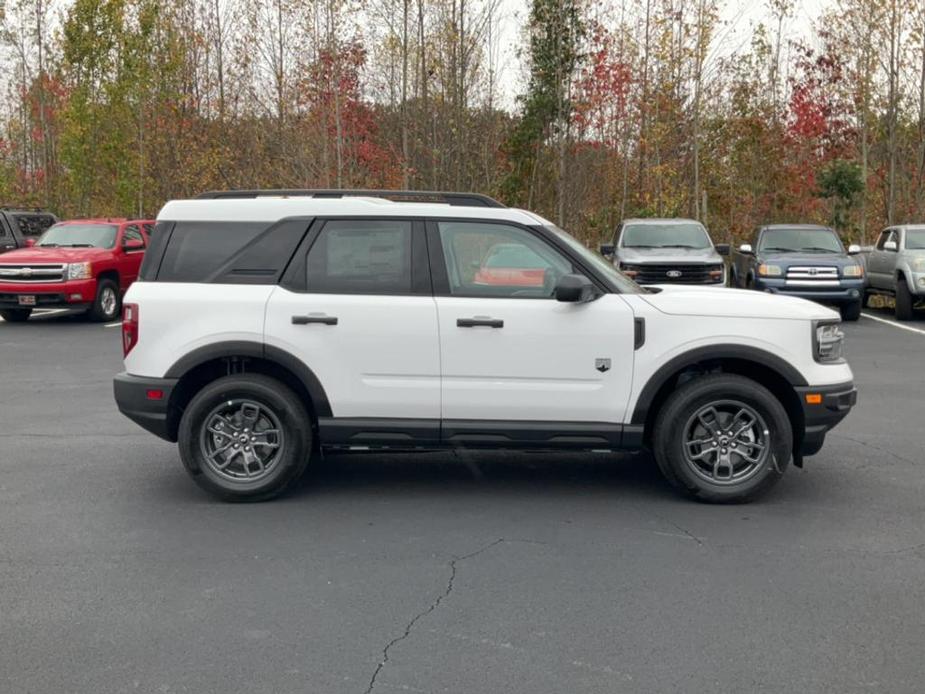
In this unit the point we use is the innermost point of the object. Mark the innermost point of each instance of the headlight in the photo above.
(769, 270)
(78, 271)
(629, 270)
(715, 272)
(827, 342)
(918, 264)
(853, 271)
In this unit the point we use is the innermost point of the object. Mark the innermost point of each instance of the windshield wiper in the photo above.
(780, 250)
(642, 246)
(78, 245)
(47, 245)
(818, 249)
(680, 245)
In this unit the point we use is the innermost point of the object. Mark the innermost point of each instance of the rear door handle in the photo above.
(479, 321)
(314, 318)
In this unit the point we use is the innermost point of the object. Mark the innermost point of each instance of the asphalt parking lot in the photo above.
(450, 573)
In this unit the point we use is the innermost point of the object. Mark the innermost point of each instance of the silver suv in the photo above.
(667, 251)
(896, 267)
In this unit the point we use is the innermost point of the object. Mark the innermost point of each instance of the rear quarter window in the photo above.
(222, 252)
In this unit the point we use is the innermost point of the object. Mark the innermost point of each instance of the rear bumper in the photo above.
(73, 294)
(836, 403)
(846, 292)
(133, 397)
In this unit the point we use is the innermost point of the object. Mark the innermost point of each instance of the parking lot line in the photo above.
(894, 324)
(113, 325)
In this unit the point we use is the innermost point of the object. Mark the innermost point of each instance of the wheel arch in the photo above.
(206, 364)
(774, 373)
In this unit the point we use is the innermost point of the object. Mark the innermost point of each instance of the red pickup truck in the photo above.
(82, 264)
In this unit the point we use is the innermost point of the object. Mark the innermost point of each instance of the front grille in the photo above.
(31, 272)
(666, 274)
(819, 276)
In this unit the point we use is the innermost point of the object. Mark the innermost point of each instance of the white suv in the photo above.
(268, 326)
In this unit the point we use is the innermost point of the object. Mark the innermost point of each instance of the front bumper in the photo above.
(134, 398)
(834, 404)
(846, 292)
(71, 294)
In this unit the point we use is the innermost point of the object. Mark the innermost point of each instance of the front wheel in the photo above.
(107, 304)
(851, 312)
(16, 315)
(903, 300)
(723, 439)
(245, 437)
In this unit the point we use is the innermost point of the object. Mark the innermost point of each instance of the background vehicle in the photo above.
(802, 260)
(81, 264)
(355, 323)
(20, 227)
(896, 267)
(660, 251)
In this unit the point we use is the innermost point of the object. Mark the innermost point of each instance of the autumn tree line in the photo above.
(638, 108)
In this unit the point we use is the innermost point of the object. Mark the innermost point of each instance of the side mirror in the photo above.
(29, 243)
(890, 246)
(854, 249)
(746, 248)
(607, 250)
(722, 248)
(575, 289)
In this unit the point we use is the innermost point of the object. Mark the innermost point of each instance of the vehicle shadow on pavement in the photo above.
(462, 472)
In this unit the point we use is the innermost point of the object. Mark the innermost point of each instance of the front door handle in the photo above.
(479, 321)
(314, 318)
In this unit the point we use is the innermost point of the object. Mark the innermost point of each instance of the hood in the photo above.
(684, 300)
(642, 256)
(799, 258)
(53, 255)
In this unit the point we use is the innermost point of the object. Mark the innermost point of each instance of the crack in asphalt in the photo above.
(875, 447)
(430, 608)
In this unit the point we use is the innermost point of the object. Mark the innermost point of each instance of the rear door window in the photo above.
(197, 249)
(361, 257)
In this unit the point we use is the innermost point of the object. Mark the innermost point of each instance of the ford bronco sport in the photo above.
(268, 326)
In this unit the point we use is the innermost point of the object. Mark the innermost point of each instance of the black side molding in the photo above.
(639, 332)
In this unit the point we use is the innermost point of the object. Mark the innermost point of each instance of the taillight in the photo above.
(129, 327)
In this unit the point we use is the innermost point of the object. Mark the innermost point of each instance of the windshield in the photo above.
(667, 235)
(79, 236)
(915, 239)
(800, 240)
(625, 284)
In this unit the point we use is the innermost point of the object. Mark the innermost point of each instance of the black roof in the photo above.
(455, 199)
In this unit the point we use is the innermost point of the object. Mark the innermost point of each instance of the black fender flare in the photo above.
(711, 352)
(258, 350)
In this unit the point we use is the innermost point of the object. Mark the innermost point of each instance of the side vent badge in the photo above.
(602, 365)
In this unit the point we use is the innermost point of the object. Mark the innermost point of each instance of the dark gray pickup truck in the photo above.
(802, 260)
(17, 226)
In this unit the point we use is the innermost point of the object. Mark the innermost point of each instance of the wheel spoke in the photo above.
(711, 425)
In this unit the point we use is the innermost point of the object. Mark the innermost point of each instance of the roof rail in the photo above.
(455, 199)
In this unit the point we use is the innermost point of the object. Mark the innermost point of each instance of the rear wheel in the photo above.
(107, 304)
(722, 439)
(852, 311)
(903, 300)
(245, 437)
(16, 315)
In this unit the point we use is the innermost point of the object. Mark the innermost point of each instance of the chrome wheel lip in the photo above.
(736, 450)
(108, 301)
(241, 441)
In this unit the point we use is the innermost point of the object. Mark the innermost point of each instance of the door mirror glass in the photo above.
(607, 250)
(575, 289)
(745, 248)
(29, 242)
(890, 246)
(854, 249)
(722, 248)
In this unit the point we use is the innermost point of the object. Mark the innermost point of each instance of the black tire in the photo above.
(16, 315)
(294, 448)
(678, 414)
(850, 312)
(108, 302)
(903, 300)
